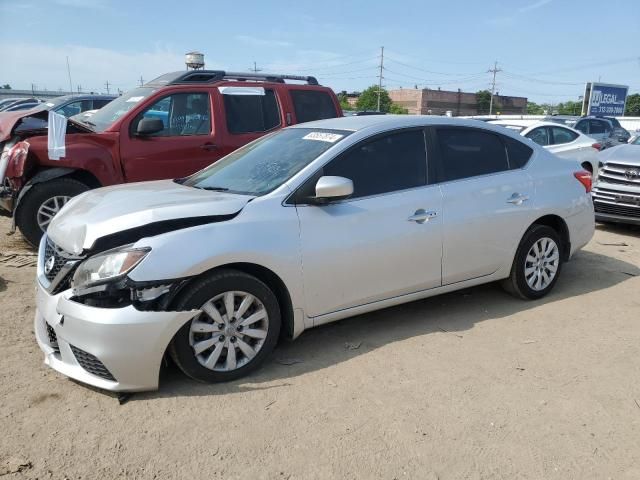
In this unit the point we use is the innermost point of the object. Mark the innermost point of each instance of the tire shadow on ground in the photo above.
(455, 312)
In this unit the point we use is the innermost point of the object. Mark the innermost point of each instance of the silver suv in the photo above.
(607, 131)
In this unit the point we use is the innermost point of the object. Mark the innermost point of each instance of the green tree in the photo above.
(534, 109)
(398, 109)
(368, 100)
(6, 86)
(344, 100)
(569, 108)
(633, 105)
(483, 100)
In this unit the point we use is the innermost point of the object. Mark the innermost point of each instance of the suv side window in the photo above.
(181, 113)
(312, 105)
(597, 126)
(562, 135)
(469, 152)
(581, 126)
(393, 162)
(539, 135)
(251, 113)
(97, 104)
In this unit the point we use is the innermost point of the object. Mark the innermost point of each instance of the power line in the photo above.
(431, 71)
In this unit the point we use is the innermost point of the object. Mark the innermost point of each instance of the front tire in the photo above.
(236, 331)
(537, 264)
(42, 202)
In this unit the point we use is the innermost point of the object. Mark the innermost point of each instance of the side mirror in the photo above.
(330, 188)
(149, 126)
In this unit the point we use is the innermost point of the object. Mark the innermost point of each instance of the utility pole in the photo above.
(493, 70)
(79, 88)
(380, 75)
(107, 85)
(255, 68)
(141, 80)
(69, 73)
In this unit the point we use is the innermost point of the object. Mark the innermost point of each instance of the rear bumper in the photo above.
(116, 349)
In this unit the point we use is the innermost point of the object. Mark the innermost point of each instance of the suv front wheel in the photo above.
(42, 202)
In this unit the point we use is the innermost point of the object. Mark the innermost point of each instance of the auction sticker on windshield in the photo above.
(134, 99)
(323, 136)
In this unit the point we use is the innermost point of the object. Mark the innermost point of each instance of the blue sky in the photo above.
(547, 49)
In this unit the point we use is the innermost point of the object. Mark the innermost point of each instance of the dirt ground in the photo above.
(470, 385)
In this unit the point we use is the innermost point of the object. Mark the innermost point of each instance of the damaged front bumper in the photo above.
(116, 349)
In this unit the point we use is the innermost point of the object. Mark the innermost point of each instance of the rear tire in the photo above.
(533, 275)
(202, 348)
(42, 202)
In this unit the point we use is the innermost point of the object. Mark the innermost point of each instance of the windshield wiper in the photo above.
(215, 189)
(88, 122)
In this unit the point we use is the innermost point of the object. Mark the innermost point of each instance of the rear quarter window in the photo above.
(312, 105)
(518, 153)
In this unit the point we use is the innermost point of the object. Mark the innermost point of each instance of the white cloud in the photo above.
(46, 65)
(261, 42)
(533, 6)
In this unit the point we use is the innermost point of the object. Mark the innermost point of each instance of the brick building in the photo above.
(438, 102)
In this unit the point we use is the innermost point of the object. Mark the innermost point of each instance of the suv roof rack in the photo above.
(213, 76)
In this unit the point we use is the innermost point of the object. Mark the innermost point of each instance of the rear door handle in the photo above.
(422, 216)
(517, 199)
(208, 146)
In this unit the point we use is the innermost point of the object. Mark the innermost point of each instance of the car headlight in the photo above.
(108, 266)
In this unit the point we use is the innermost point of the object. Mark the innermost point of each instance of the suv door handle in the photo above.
(208, 146)
(517, 199)
(421, 216)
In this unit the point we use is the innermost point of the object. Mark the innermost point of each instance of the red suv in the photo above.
(171, 127)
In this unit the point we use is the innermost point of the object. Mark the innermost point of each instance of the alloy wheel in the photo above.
(230, 331)
(48, 210)
(541, 263)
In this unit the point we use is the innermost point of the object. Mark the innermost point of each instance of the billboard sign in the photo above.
(606, 99)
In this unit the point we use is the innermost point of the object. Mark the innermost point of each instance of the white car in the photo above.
(305, 226)
(561, 140)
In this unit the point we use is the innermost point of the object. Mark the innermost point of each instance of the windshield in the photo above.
(115, 109)
(264, 165)
(54, 102)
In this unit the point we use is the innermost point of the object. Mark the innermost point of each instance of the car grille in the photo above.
(617, 209)
(91, 364)
(60, 260)
(617, 173)
(53, 338)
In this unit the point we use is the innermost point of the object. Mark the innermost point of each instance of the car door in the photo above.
(487, 203)
(384, 241)
(184, 146)
(249, 113)
(566, 144)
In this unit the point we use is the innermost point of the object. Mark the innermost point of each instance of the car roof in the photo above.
(389, 122)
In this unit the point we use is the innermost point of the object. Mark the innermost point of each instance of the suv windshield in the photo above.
(264, 165)
(112, 111)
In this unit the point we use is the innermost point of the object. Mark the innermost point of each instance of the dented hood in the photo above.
(137, 210)
(8, 120)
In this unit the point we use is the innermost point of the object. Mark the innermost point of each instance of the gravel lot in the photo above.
(470, 385)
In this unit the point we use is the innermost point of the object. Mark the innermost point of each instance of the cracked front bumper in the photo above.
(116, 349)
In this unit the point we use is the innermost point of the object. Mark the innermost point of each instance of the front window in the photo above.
(265, 164)
(182, 114)
(107, 115)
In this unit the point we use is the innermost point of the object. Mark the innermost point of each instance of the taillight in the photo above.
(597, 146)
(584, 178)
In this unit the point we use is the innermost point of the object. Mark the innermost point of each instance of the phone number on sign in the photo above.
(608, 110)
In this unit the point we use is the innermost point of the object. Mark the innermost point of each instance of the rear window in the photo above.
(467, 152)
(252, 113)
(312, 105)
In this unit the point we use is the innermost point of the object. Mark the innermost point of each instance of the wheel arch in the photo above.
(560, 226)
(269, 278)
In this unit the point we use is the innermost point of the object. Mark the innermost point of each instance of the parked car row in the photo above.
(171, 127)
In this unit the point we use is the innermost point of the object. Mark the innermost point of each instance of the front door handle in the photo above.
(517, 199)
(208, 146)
(421, 216)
